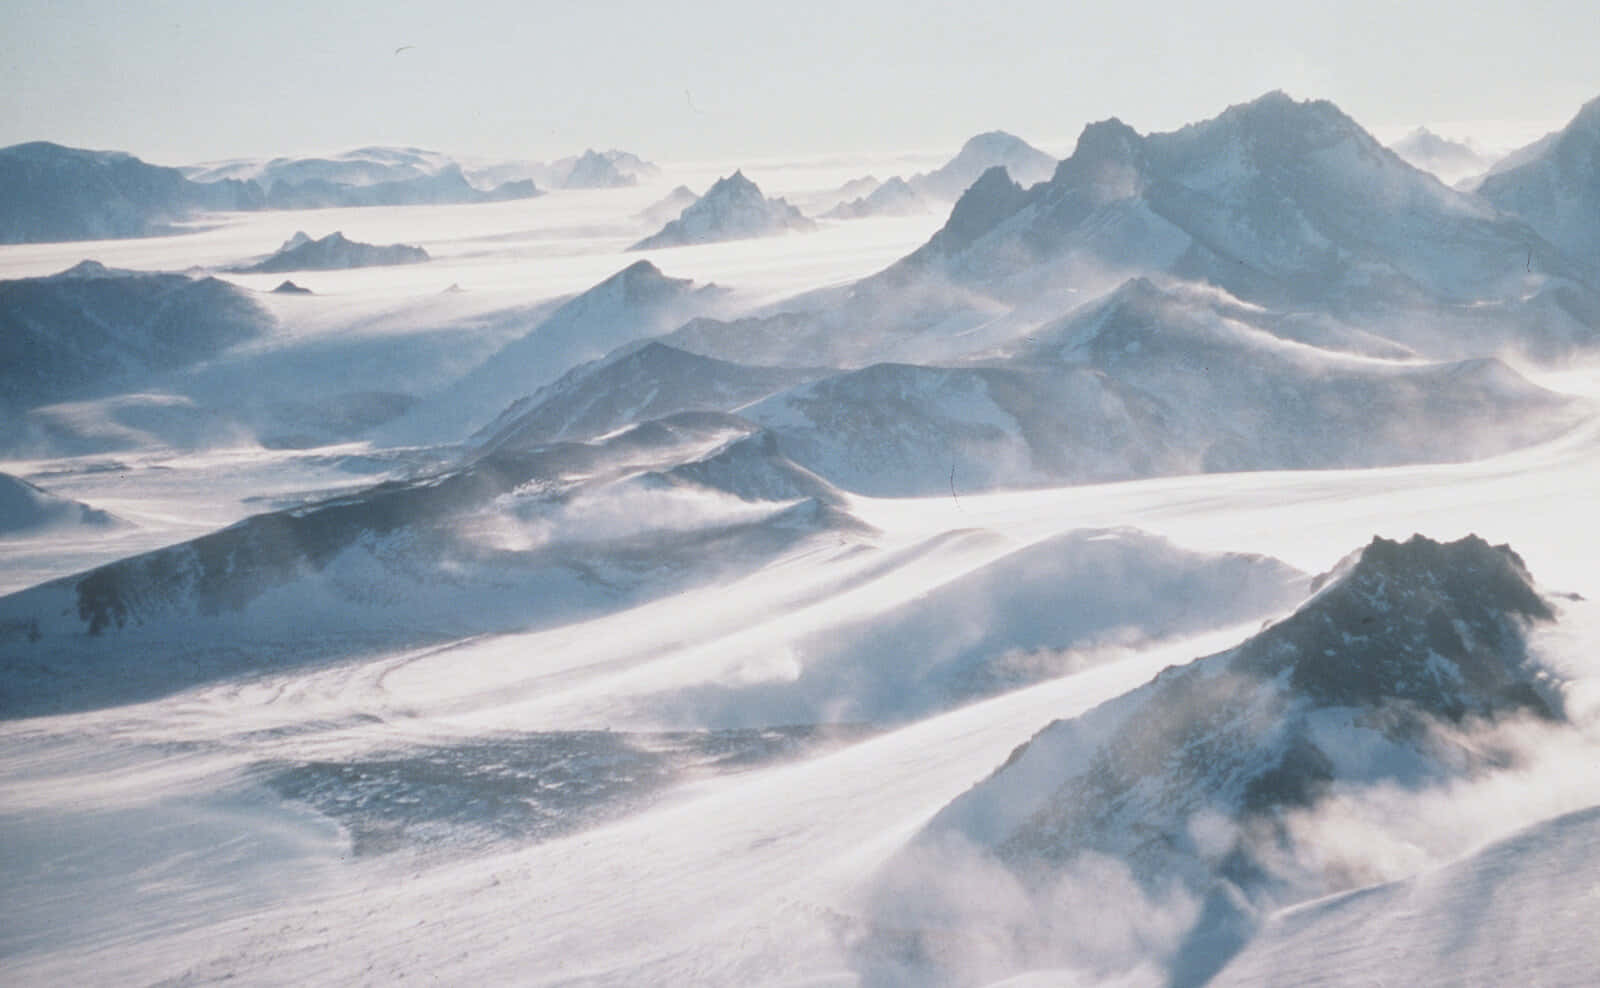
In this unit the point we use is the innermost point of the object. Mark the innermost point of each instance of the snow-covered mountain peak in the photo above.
(88, 269)
(732, 209)
(640, 283)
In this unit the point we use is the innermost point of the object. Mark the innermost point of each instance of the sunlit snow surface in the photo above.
(548, 808)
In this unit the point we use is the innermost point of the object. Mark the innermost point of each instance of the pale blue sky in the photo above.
(182, 80)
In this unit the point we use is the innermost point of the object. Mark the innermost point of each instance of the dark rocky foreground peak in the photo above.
(1435, 626)
(1387, 676)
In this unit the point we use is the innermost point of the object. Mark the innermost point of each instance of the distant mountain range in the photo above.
(732, 209)
(928, 191)
(54, 193)
(1450, 160)
(332, 252)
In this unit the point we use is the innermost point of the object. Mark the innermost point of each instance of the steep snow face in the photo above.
(1279, 202)
(633, 304)
(732, 209)
(1187, 786)
(50, 193)
(648, 382)
(995, 149)
(26, 510)
(1556, 188)
(86, 329)
(333, 252)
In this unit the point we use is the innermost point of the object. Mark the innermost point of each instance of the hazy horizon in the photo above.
(182, 82)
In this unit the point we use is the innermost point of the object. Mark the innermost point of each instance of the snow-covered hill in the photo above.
(634, 385)
(732, 209)
(1151, 382)
(84, 330)
(1184, 796)
(512, 540)
(333, 252)
(633, 304)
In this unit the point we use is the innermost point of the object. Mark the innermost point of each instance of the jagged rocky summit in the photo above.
(732, 209)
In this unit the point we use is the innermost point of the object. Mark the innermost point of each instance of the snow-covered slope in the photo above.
(633, 304)
(1556, 188)
(1500, 915)
(79, 332)
(333, 252)
(732, 209)
(510, 541)
(1053, 608)
(634, 385)
(26, 510)
(1188, 791)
